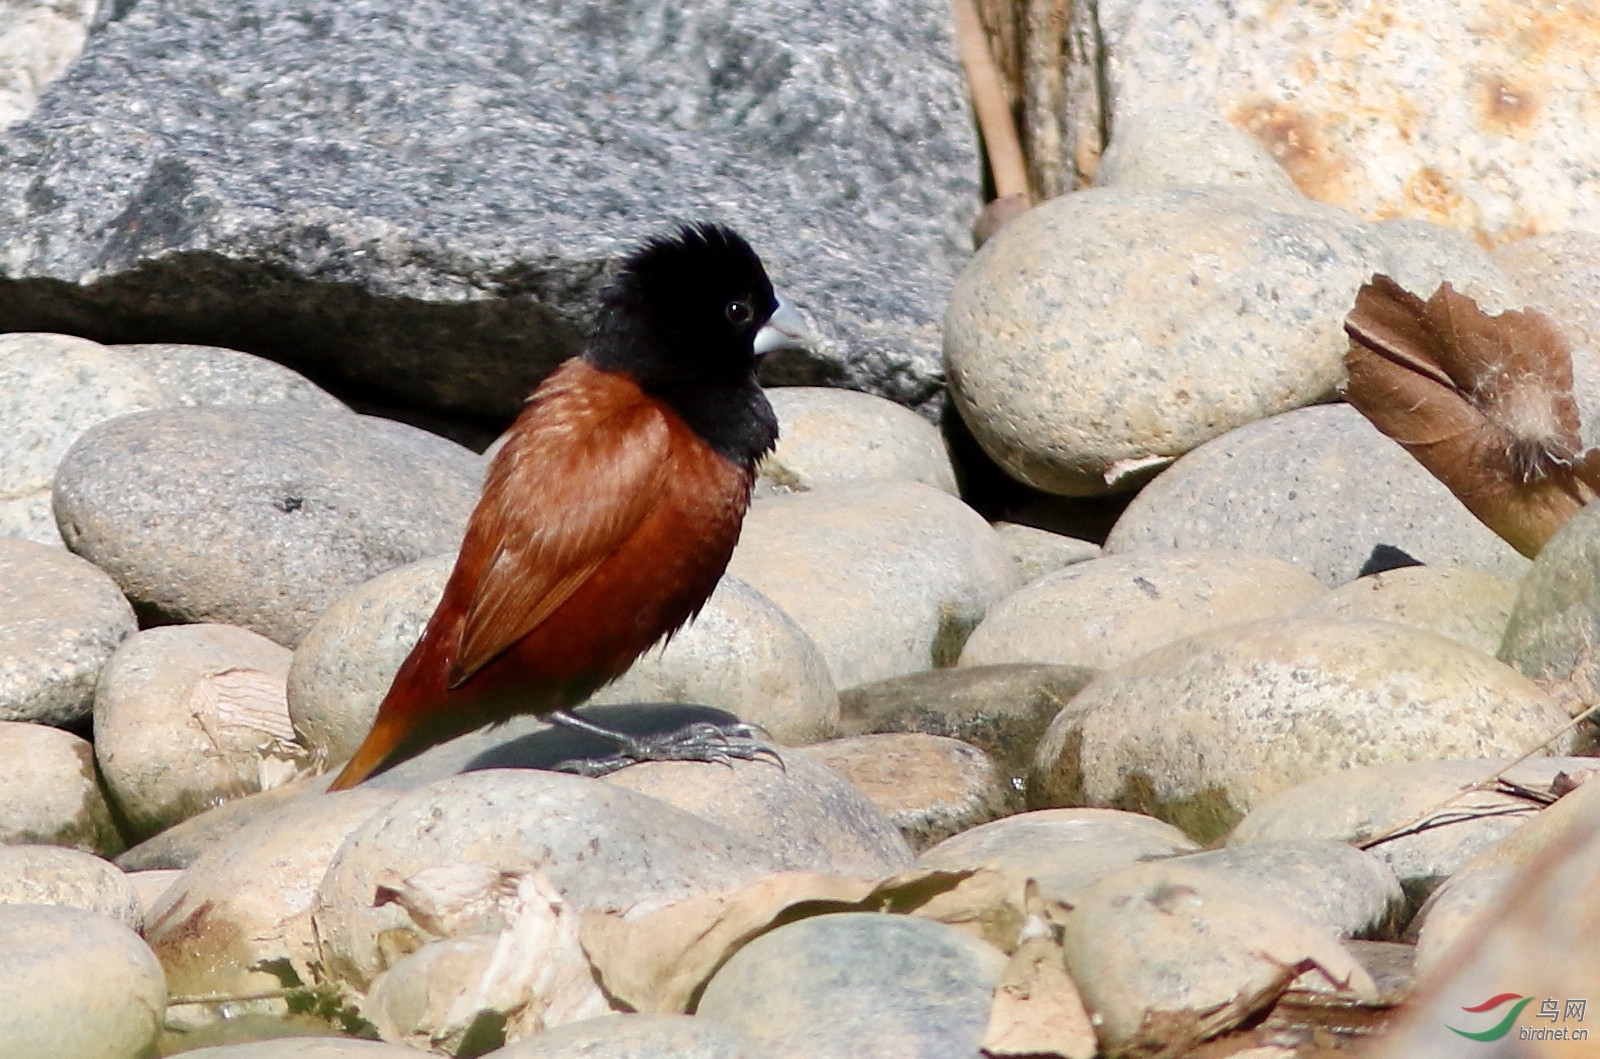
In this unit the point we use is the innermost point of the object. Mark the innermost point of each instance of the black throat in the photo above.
(734, 418)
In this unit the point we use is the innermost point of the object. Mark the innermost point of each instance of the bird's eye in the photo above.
(739, 312)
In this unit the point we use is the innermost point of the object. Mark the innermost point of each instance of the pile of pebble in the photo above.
(1181, 741)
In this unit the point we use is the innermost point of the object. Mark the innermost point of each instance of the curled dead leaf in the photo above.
(1483, 402)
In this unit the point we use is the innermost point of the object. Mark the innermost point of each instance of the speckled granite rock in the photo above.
(858, 984)
(60, 620)
(1182, 145)
(1468, 606)
(828, 436)
(1200, 731)
(1473, 115)
(190, 716)
(197, 376)
(1103, 612)
(78, 986)
(1320, 487)
(262, 516)
(50, 791)
(931, 786)
(886, 578)
(52, 389)
(1108, 332)
(433, 212)
(50, 875)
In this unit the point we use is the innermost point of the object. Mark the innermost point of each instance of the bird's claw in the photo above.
(703, 742)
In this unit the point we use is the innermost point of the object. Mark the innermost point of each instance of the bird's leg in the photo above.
(701, 741)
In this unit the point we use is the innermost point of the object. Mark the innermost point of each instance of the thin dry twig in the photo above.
(1476, 786)
(989, 101)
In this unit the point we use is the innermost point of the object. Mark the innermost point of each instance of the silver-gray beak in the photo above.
(785, 330)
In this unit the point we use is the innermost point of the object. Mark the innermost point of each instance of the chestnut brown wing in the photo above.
(579, 474)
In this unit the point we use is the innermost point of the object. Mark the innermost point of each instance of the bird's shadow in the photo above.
(555, 747)
(529, 743)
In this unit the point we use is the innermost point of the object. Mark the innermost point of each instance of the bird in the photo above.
(609, 513)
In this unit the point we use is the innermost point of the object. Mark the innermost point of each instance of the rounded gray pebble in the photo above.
(50, 791)
(886, 578)
(1318, 487)
(78, 986)
(1106, 332)
(636, 1037)
(60, 620)
(258, 517)
(859, 984)
(343, 667)
(52, 875)
(1347, 890)
(198, 376)
(829, 436)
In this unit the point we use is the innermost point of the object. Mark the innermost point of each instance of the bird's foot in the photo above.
(710, 743)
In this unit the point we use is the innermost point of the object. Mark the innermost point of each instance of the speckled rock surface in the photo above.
(1350, 892)
(78, 986)
(742, 654)
(1559, 272)
(1473, 115)
(60, 620)
(1038, 551)
(1065, 850)
(259, 517)
(1202, 730)
(182, 844)
(199, 376)
(433, 215)
(39, 40)
(1319, 487)
(828, 436)
(1468, 606)
(636, 1037)
(52, 389)
(51, 875)
(886, 578)
(1103, 612)
(1002, 710)
(858, 984)
(1101, 334)
(931, 786)
(50, 791)
(1166, 956)
(346, 661)
(601, 845)
(190, 716)
(801, 814)
(1420, 256)
(1358, 805)
(1555, 621)
(1182, 145)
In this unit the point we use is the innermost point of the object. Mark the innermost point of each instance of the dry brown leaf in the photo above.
(657, 962)
(1038, 1010)
(1483, 402)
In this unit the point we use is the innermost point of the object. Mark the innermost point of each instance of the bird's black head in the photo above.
(685, 307)
(682, 318)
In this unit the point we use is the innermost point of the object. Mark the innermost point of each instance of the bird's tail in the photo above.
(376, 752)
(417, 712)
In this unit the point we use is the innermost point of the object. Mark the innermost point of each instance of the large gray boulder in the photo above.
(423, 199)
